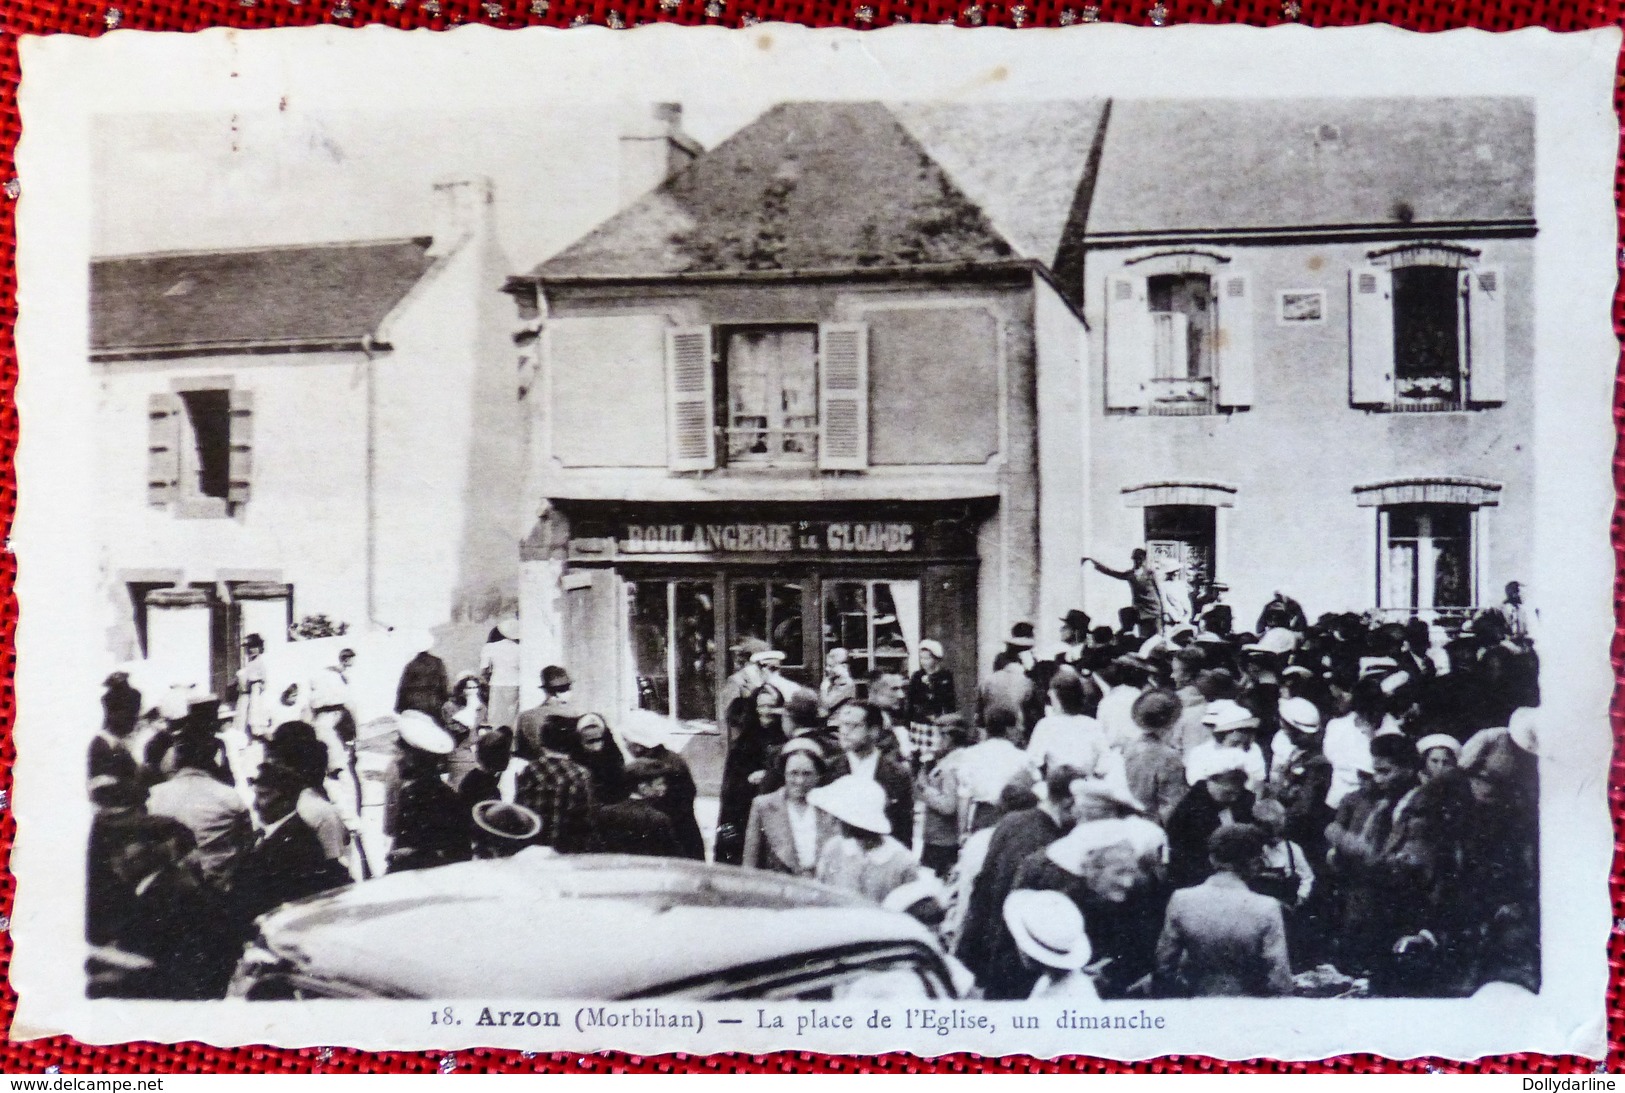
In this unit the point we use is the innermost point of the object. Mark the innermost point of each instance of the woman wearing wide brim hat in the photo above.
(1048, 931)
(863, 858)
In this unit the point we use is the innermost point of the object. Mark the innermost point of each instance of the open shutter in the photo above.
(1128, 343)
(163, 449)
(843, 396)
(1371, 337)
(1233, 370)
(241, 468)
(1484, 291)
(691, 443)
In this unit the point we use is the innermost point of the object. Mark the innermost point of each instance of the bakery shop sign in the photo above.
(799, 537)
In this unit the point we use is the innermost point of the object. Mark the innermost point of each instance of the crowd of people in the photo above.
(1165, 808)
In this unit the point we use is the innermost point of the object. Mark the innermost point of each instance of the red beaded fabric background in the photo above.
(94, 17)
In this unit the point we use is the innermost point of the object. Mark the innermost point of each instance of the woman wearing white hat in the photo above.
(1048, 931)
(1440, 755)
(499, 670)
(863, 858)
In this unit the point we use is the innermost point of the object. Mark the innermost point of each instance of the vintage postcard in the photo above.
(1087, 541)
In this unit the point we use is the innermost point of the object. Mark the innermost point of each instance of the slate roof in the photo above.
(332, 294)
(807, 186)
(832, 186)
(1023, 163)
(1170, 165)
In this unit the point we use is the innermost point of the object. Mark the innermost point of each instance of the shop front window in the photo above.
(672, 632)
(770, 611)
(876, 622)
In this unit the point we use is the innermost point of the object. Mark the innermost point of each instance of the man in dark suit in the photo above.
(169, 919)
(859, 726)
(1016, 838)
(424, 685)
(287, 862)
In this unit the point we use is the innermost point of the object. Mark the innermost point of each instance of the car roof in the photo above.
(546, 926)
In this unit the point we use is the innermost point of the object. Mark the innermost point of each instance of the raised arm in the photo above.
(1120, 574)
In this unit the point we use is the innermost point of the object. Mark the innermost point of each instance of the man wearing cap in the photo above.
(286, 862)
(422, 813)
(1299, 732)
(1231, 725)
(747, 678)
(1145, 589)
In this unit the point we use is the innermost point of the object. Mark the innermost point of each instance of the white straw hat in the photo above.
(856, 800)
(1048, 927)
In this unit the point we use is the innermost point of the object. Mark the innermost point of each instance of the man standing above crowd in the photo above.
(1145, 588)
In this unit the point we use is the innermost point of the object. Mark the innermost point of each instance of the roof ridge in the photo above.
(200, 252)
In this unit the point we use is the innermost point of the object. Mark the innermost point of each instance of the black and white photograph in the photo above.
(839, 557)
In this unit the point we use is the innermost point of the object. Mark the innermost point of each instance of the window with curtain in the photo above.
(1427, 565)
(772, 391)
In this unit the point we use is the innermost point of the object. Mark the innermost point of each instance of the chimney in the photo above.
(462, 208)
(653, 148)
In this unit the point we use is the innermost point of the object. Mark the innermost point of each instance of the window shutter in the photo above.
(241, 460)
(843, 396)
(691, 436)
(1371, 337)
(1485, 292)
(1128, 343)
(1233, 371)
(163, 449)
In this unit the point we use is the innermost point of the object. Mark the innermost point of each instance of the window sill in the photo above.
(203, 508)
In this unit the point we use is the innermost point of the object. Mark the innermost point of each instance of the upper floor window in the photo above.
(199, 448)
(1179, 336)
(1428, 331)
(776, 396)
(772, 395)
